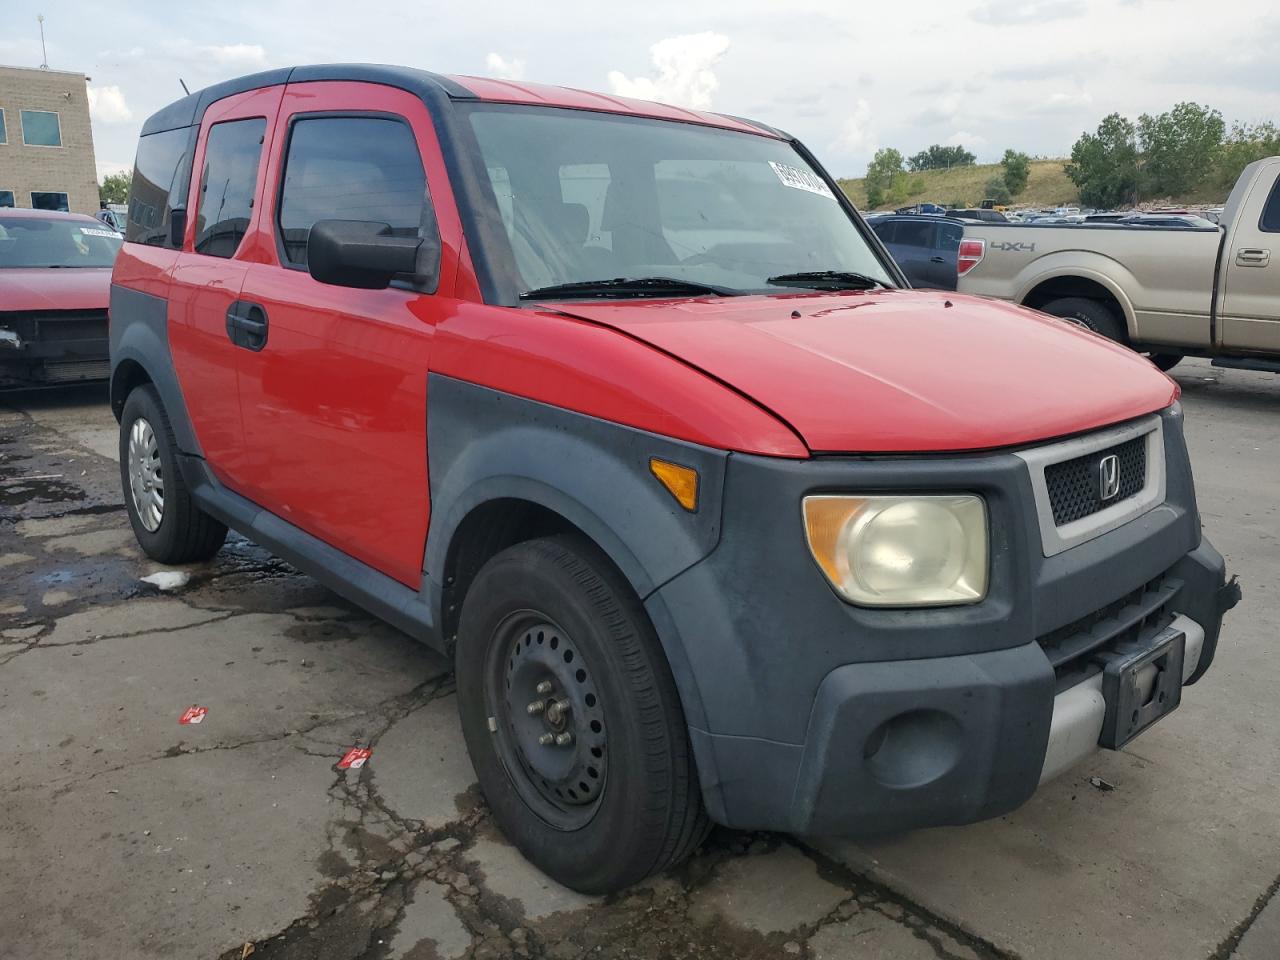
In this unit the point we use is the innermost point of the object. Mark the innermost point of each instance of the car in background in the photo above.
(55, 282)
(975, 213)
(924, 247)
(115, 219)
(1168, 220)
(926, 208)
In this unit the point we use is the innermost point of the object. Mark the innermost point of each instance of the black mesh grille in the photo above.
(1075, 487)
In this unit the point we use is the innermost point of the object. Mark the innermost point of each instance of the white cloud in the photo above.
(856, 138)
(235, 54)
(966, 138)
(684, 65)
(1061, 102)
(107, 105)
(105, 167)
(1018, 12)
(504, 69)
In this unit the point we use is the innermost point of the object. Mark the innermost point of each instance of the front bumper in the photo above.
(819, 717)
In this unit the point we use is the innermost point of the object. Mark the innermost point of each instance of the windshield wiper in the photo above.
(627, 286)
(826, 280)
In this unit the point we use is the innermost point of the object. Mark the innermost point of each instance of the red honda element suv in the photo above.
(625, 409)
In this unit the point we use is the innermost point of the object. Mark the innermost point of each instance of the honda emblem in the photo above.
(1108, 477)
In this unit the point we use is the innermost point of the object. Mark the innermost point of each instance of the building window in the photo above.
(49, 201)
(6, 198)
(41, 128)
(4, 136)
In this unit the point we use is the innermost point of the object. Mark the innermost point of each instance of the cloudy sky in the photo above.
(1031, 74)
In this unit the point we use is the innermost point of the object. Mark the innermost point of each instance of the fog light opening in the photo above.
(914, 748)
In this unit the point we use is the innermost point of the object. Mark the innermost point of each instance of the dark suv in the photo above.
(925, 247)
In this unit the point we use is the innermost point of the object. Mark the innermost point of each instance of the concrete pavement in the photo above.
(128, 834)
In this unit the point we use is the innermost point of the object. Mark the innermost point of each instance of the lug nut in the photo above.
(546, 739)
(564, 739)
(544, 687)
(537, 706)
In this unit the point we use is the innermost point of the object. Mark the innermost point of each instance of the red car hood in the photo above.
(44, 288)
(899, 370)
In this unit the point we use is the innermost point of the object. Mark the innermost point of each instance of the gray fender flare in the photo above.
(485, 445)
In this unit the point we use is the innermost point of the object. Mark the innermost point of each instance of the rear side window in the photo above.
(161, 176)
(228, 183)
(1271, 213)
(949, 235)
(350, 168)
(911, 234)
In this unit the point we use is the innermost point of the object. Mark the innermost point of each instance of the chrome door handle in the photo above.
(1252, 257)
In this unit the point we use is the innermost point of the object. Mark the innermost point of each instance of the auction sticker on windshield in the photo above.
(98, 232)
(801, 179)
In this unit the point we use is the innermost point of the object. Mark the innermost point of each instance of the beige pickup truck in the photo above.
(1168, 292)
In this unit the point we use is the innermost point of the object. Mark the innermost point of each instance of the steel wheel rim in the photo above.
(562, 782)
(146, 475)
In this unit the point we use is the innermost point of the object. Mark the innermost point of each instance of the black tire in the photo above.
(530, 608)
(1091, 314)
(1097, 316)
(185, 533)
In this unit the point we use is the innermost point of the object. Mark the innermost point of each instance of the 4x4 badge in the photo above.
(1108, 477)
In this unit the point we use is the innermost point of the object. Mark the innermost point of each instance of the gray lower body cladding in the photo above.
(826, 717)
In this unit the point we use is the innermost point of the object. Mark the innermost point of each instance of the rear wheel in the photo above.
(572, 718)
(1097, 316)
(1091, 314)
(169, 526)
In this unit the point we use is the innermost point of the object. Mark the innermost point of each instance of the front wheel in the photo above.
(572, 718)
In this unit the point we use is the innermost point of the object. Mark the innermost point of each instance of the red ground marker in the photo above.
(193, 714)
(354, 758)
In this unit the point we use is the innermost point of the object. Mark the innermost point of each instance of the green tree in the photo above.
(1017, 171)
(1104, 164)
(1179, 148)
(884, 174)
(115, 188)
(938, 157)
(998, 190)
(1243, 145)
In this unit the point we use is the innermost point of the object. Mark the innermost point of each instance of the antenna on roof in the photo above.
(184, 86)
(44, 64)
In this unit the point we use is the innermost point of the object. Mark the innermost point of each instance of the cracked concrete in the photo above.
(127, 834)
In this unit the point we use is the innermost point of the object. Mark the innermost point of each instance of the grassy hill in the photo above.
(1047, 187)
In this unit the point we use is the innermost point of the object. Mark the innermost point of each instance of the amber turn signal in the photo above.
(681, 482)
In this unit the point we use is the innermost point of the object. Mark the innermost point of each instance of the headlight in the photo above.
(901, 551)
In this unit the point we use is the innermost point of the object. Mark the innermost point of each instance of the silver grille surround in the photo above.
(1055, 539)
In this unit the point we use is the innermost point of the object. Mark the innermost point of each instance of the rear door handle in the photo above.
(1252, 257)
(937, 259)
(247, 325)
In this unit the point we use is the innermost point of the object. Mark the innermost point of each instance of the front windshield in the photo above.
(49, 242)
(594, 196)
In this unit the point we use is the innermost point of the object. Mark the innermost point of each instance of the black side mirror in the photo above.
(358, 253)
(177, 226)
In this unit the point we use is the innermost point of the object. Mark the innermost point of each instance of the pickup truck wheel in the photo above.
(572, 719)
(169, 526)
(1090, 314)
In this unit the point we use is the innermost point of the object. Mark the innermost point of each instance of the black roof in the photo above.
(190, 109)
